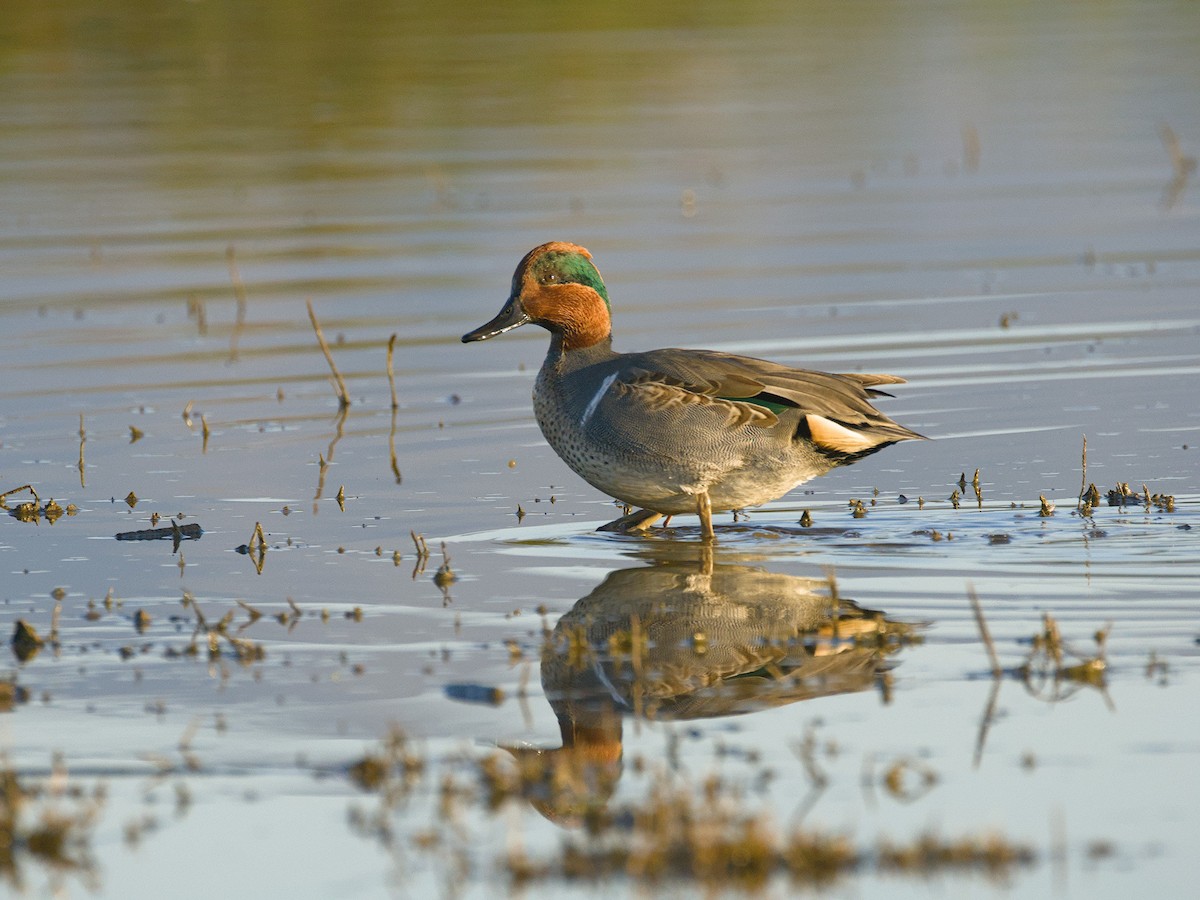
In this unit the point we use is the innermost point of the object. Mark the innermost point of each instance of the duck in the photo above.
(678, 432)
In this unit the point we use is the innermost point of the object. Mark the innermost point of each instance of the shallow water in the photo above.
(975, 196)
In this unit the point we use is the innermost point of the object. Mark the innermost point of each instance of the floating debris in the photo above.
(475, 693)
(702, 834)
(1124, 495)
(908, 779)
(930, 855)
(391, 773)
(245, 651)
(190, 532)
(11, 694)
(1048, 674)
(26, 642)
(256, 549)
(1089, 500)
(30, 511)
(444, 577)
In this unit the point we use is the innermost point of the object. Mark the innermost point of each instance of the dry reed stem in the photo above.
(391, 372)
(997, 671)
(342, 394)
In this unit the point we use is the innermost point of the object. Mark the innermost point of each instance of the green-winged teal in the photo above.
(678, 431)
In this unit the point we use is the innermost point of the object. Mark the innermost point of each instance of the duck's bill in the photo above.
(512, 316)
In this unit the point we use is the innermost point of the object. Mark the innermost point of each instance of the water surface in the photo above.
(979, 197)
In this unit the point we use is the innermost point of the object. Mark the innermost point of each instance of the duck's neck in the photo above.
(574, 313)
(564, 355)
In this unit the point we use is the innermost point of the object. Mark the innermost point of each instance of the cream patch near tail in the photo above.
(829, 435)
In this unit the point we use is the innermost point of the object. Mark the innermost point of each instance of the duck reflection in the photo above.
(682, 641)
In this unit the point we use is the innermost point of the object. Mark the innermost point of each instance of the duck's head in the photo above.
(555, 286)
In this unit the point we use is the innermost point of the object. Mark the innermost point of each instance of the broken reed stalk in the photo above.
(392, 449)
(24, 487)
(257, 547)
(997, 671)
(82, 441)
(419, 542)
(342, 394)
(1083, 478)
(391, 372)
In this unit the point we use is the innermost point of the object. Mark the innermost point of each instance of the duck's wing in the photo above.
(834, 411)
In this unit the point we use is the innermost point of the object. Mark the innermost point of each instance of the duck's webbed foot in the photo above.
(636, 521)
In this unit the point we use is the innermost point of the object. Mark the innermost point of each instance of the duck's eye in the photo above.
(552, 278)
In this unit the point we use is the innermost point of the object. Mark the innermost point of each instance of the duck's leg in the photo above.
(704, 509)
(638, 520)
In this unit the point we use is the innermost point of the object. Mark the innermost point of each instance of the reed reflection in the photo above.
(685, 641)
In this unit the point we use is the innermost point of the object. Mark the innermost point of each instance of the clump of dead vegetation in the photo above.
(49, 824)
(679, 831)
(35, 510)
